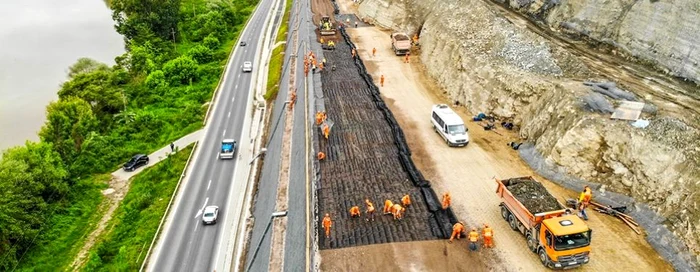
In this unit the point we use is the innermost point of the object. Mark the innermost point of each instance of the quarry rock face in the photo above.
(664, 33)
(489, 64)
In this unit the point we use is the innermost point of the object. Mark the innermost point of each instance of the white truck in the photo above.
(400, 43)
(228, 147)
(449, 125)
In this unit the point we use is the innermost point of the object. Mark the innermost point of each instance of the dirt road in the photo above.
(422, 256)
(467, 173)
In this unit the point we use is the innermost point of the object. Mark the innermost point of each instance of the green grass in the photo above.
(135, 222)
(69, 227)
(277, 56)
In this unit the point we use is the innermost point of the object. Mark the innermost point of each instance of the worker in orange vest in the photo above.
(488, 236)
(405, 60)
(584, 200)
(397, 211)
(446, 201)
(321, 156)
(406, 200)
(319, 118)
(387, 206)
(381, 81)
(355, 211)
(326, 131)
(327, 223)
(321, 66)
(473, 238)
(370, 210)
(353, 53)
(457, 230)
(374, 51)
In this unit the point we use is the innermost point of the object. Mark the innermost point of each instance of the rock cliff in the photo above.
(493, 64)
(663, 33)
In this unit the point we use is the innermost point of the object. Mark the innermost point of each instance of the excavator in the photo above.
(326, 27)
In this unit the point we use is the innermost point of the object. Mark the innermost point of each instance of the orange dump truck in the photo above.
(561, 239)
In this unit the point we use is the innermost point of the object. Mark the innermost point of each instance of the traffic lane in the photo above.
(219, 184)
(192, 201)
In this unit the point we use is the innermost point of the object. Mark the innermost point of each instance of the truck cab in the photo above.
(228, 148)
(562, 242)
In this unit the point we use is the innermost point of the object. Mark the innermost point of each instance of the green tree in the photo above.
(156, 80)
(181, 70)
(141, 59)
(68, 122)
(95, 88)
(85, 65)
(200, 53)
(210, 23)
(138, 19)
(211, 42)
(31, 177)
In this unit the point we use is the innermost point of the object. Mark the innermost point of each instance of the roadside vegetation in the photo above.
(137, 218)
(156, 93)
(277, 56)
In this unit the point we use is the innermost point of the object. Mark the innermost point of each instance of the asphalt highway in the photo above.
(185, 243)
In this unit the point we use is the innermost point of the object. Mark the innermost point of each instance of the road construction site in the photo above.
(362, 162)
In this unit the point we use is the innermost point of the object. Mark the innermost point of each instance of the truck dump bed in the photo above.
(525, 197)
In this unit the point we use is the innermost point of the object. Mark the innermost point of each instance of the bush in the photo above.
(200, 53)
(182, 70)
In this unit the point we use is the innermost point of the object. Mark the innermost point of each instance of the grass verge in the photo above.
(70, 226)
(277, 56)
(131, 230)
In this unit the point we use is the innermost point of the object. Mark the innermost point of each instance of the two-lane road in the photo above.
(186, 244)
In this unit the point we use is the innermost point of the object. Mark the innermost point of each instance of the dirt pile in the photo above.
(533, 195)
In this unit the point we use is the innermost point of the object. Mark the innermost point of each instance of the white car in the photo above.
(211, 213)
(247, 66)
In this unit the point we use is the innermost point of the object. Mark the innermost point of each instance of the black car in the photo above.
(243, 43)
(136, 162)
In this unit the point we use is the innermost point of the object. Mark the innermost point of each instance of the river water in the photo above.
(39, 40)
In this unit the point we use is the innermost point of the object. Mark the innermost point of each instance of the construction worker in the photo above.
(319, 118)
(355, 211)
(446, 200)
(583, 201)
(321, 40)
(488, 235)
(406, 200)
(387, 206)
(473, 238)
(320, 66)
(355, 24)
(326, 131)
(374, 51)
(405, 59)
(353, 53)
(370, 210)
(381, 81)
(321, 156)
(397, 211)
(457, 230)
(324, 61)
(292, 98)
(327, 223)
(306, 70)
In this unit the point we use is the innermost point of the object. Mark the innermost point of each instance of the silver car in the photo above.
(211, 213)
(247, 66)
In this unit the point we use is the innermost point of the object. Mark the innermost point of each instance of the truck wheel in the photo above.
(543, 257)
(513, 222)
(504, 213)
(531, 243)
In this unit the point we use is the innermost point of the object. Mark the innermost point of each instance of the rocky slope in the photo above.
(493, 64)
(664, 33)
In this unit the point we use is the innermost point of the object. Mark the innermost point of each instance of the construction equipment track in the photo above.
(367, 157)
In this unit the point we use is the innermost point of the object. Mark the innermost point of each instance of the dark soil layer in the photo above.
(533, 195)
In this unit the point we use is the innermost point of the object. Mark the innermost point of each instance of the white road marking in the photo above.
(236, 86)
(224, 134)
(208, 185)
(239, 75)
(195, 227)
(233, 98)
(229, 113)
(202, 209)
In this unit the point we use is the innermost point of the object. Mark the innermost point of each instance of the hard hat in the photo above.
(473, 229)
(328, 215)
(486, 225)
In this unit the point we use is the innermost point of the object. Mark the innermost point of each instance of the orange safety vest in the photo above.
(473, 236)
(370, 207)
(326, 222)
(458, 227)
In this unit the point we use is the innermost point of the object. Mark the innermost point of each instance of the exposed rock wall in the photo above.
(491, 65)
(665, 33)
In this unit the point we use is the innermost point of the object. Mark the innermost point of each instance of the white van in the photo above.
(247, 66)
(449, 125)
